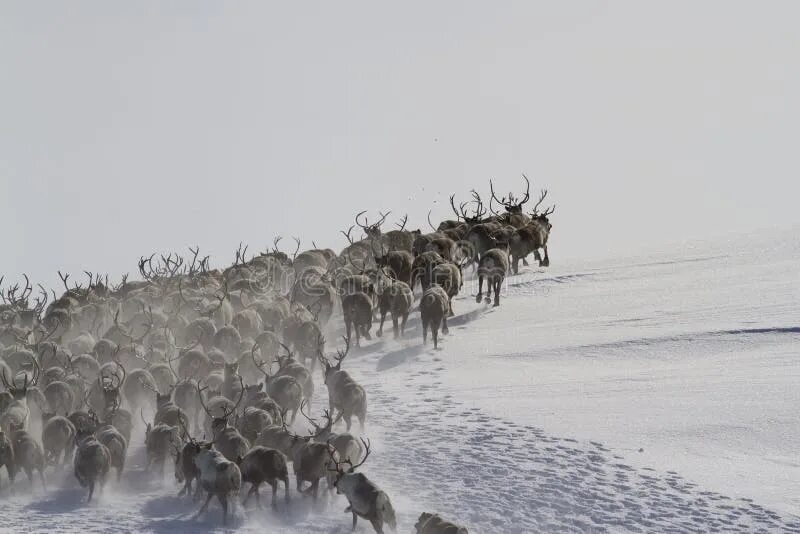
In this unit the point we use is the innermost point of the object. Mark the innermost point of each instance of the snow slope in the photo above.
(650, 394)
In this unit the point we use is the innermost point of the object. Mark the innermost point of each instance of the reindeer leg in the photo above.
(286, 485)
(377, 524)
(258, 499)
(355, 519)
(480, 289)
(403, 325)
(546, 261)
(205, 505)
(91, 491)
(249, 494)
(497, 292)
(348, 421)
(379, 333)
(424, 332)
(223, 500)
(274, 484)
(41, 477)
(445, 330)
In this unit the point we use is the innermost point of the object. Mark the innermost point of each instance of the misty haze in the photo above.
(435, 268)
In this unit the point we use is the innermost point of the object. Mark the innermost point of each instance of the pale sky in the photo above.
(133, 127)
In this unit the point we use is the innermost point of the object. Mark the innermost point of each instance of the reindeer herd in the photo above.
(217, 364)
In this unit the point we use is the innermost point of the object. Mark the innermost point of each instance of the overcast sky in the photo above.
(130, 127)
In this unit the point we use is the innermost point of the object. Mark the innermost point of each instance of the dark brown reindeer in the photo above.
(17, 413)
(492, 268)
(366, 499)
(284, 389)
(227, 438)
(344, 393)
(513, 205)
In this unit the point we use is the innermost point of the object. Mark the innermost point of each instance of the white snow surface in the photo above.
(658, 393)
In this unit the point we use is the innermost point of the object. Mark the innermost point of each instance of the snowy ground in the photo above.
(648, 394)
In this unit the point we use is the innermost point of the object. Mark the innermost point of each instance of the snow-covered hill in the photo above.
(643, 394)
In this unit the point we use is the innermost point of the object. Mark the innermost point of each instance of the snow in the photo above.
(641, 394)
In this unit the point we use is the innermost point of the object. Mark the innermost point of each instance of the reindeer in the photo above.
(160, 440)
(284, 389)
(113, 414)
(493, 267)
(231, 380)
(345, 444)
(138, 387)
(357, 309)
(366, 499)
(396, 297)
(85, 421)
(449, 276)
(228, 340)
(423, 267)
(58, 438)
(289, 366)
(542, 222)
(434, 307)
(344, 393)
(117, 445)
(303, 338)
(7, 456)
(260, 465)
(400, 262)
(278, 437)
(186, 471)
(226, 438)
(92, 461)
(59, 397)
(312, 458)
(17, 413)
(248, 323)
(218, 477)
(433, 524)
(28, 455)
(167, 412)
(513, 205)
(400, 239)
(252, 421)
(531, 237)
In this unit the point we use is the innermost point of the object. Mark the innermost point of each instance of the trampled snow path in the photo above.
(655, 395)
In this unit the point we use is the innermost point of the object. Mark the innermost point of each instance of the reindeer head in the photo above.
(320, 432)
(372, 230)
(219, 423)
(461, 213)
(542, 218)
(231, 369)
(512, 204)
(20, 392)
(110, 386)
(329, 368)
(82, 434)
(346, 467)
